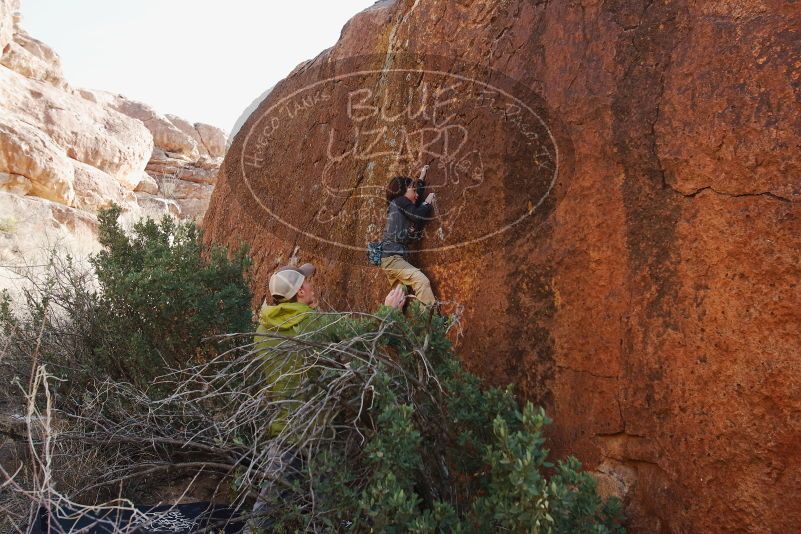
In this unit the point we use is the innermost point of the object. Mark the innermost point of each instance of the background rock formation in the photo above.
(67, 152)
(652, 300)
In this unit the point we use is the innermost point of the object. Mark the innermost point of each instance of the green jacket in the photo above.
(284, 369)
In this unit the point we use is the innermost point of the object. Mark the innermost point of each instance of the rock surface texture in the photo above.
(649, 298)
(67, 152)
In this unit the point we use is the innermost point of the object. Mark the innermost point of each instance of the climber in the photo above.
(405, 218)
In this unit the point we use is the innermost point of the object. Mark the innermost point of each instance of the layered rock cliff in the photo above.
(66, 152)
(619, 219)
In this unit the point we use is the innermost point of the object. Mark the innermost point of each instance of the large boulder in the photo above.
(166, 135)
(89, 132)
(27, 152)
(33, 59)
(186, 127)
(95, 189)
(87, 148)
(619, 190)
(213, 139)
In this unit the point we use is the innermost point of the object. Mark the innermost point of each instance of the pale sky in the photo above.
(203, 60)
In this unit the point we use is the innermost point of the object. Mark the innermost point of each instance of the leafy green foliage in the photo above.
(152, 299)
(441, 455)
(405, 440)
(575, 508)
(164, 294)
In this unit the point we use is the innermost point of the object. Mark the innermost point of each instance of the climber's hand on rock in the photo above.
(395, 298)
(431, 199)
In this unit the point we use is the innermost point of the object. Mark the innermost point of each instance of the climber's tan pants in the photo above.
(401, 271)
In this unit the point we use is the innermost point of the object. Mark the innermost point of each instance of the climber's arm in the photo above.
(414, 213)
(333, 327)
(421, 186)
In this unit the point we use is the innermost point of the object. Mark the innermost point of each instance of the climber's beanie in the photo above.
(286, 281)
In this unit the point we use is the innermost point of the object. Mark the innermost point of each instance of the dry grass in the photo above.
(116, 444)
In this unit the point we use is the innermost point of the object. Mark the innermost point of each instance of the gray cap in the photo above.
(286, 281)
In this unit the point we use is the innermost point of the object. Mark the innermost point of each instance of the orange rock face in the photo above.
(619, 190)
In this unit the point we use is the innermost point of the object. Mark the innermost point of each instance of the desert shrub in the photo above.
(150, 300)
(386, 432)
(54, 322)
(164, 294)
(439, 453)
(389, 433)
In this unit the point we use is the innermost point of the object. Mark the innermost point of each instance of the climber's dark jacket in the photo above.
(403, 222)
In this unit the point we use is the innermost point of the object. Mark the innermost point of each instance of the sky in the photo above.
(203, 60)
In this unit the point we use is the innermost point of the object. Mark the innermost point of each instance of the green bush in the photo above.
(442, 455)
(164, 294)
(153, 299)
(393, 434)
